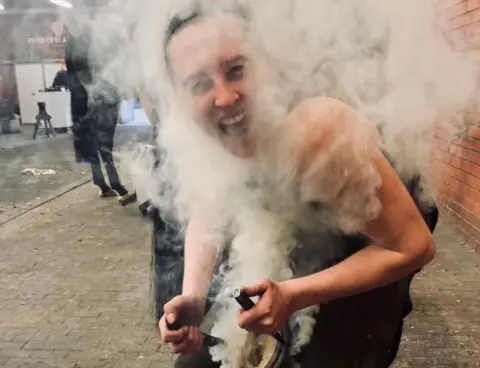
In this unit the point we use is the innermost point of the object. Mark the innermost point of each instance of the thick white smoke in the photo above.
(385, 58)
(252, 259)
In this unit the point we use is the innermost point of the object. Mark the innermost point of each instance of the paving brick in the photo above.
(24, 335)
(14, 353)
(4, 345)
(134, 364)
(28, 362)
(8, 335)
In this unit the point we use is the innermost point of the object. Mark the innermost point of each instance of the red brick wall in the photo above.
(455, 160)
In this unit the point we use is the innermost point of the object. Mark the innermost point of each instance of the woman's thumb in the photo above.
(256, 289)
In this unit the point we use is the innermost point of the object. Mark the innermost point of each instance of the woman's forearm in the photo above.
(201, 253)
(368, 269)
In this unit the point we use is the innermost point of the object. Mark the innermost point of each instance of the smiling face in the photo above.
(209, 66)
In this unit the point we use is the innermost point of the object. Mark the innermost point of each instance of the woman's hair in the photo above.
(176, 24)
(180, 21)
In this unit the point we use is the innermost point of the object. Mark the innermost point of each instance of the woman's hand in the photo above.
(271, 312)
(188, 311)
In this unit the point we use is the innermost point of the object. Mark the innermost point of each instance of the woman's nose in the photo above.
(225, 95)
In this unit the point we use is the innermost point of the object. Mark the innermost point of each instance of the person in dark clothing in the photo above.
(106, 116)
(61, 79)
(94, 117)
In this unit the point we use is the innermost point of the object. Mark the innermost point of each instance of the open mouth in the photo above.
(235, 126)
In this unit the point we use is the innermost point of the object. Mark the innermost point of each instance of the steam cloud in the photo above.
(386, 58)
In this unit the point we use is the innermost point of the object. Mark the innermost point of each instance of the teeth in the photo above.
(233, 126)
(234, 120)
(235, 129)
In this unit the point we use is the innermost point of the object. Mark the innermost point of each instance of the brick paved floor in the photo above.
(444, 330)
(74, 286)
(74, 292)
(19, 152)
(55, 154)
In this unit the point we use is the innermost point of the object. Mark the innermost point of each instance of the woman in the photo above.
(358, 276)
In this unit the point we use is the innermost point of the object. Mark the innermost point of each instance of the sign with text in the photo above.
(33, 37)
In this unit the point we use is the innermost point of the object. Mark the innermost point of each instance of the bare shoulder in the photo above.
(319, 123)
(320, 109)
(340, 163)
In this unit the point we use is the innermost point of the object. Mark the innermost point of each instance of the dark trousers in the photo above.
(113, 177)
(105, 123)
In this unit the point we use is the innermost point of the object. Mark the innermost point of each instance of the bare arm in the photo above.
(200, 257)
(402, 243)
(201, 253)
(201, 250)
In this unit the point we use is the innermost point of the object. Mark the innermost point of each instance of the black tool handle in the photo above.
(246, 303)
(208, 340)
(175, 326)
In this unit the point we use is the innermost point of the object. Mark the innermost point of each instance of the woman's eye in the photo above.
(201, 87)
(236, 72)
